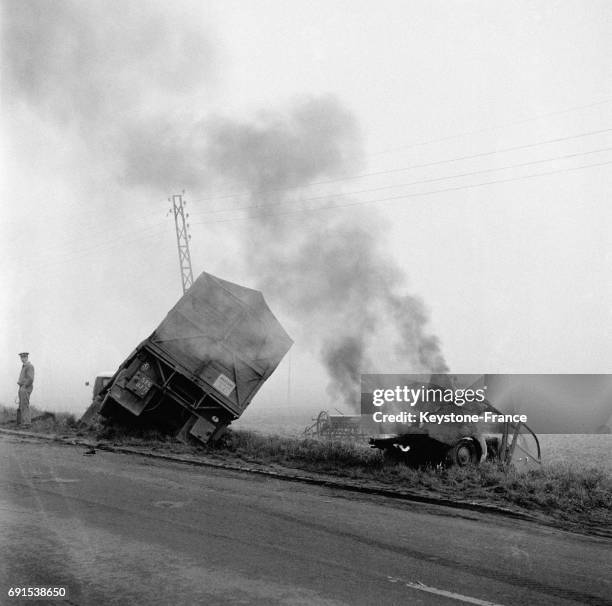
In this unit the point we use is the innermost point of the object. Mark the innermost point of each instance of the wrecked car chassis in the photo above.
(424, 444)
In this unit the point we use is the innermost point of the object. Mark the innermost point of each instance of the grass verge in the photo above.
(566, 492)
(571, 494)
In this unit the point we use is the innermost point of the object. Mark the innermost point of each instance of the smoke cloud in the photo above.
(89, 61)
(122, 77)
(327, 266)
(115, 75)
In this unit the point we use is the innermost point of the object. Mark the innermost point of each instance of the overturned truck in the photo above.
(201, 367)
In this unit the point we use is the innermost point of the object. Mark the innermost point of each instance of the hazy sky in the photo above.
(465, 145)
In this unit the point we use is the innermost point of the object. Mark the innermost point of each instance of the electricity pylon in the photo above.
(182, 240)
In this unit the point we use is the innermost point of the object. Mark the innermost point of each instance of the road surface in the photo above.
(124, 529)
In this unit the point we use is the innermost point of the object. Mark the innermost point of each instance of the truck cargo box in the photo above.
(201, 367)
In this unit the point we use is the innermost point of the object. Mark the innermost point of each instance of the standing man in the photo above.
(26, 385)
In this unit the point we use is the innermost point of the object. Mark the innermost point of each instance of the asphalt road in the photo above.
(124, 529)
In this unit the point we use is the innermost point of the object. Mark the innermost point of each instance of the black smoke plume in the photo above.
(327, 265)
(120, 78)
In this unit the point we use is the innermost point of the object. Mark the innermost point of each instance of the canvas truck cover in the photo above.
(203, 364)
(225, 335)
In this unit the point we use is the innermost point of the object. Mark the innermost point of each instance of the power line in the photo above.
(407, 196)
(69, 255)
(420, 182)
(456, 159)
(414, 166)
(481, 154)
(121, 238)
(559, 112)
(121, 241)
(93, 227)
(496, 127)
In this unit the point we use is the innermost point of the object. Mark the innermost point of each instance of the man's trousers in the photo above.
(24, 406)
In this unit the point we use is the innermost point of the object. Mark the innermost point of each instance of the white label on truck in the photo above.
(224, 384)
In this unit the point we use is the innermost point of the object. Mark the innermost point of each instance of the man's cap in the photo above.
(24, 353)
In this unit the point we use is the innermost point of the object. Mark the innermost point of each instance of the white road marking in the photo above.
(448, 594)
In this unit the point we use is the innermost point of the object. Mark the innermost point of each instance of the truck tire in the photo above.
(465, 452)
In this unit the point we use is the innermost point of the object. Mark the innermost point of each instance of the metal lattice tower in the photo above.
(182, 240)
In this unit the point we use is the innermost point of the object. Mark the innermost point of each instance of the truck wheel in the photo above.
(463, 453)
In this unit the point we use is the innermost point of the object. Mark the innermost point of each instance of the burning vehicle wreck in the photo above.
(201, 367)
(452, 433)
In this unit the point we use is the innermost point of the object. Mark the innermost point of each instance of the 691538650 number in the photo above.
(37, 592)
